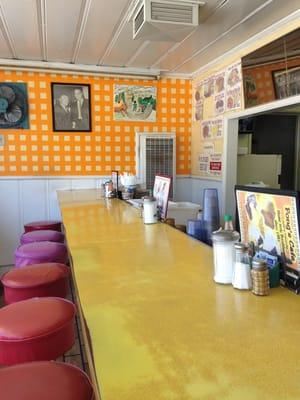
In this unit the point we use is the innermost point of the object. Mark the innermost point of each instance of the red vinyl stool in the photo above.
(39, 280)
(46, 380)
(42, 225)
(36, 330)
(42, 236)
(40, 252)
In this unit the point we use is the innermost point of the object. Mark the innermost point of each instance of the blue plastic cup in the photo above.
(196, 229)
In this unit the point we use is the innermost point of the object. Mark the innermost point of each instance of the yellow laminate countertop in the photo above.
(160, 328)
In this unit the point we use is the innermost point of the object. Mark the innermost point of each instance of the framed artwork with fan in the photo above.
(13, 105)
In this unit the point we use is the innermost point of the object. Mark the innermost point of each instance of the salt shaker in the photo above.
(223, 248)
(260, 278)
(149, 210)
(241, 275)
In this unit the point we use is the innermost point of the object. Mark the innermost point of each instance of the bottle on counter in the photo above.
(228, 224)
(241, 275)
(260, 277)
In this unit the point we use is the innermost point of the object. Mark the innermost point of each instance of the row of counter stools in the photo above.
(37, 324)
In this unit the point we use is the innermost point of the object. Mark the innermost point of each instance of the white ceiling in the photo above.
(97, 32)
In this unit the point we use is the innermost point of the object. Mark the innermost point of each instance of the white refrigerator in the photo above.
(259, 169)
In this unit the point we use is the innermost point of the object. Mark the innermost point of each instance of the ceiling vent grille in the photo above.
(139, 19)
(172, 13)
(164, 20)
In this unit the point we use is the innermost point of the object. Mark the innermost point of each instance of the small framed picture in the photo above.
(161, 191)
(286, 83)
(71, 107)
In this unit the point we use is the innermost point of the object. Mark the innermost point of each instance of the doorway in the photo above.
(231, 131)
(266, 150)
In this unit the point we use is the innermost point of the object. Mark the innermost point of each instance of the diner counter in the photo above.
(160, 328)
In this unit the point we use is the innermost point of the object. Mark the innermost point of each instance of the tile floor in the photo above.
(76, 355)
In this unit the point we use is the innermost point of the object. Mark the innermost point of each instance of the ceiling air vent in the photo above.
(165, 20)
(139, 19)
(171, 12)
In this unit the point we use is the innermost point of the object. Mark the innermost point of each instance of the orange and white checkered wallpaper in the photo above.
(110, 145)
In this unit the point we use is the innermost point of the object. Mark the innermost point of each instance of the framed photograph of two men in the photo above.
(71, 107)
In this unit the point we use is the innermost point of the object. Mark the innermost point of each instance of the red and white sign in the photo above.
(215, 166)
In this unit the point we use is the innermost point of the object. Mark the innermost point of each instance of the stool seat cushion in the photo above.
(42, 236)
(40, 252)
(42, 225)
(45, 380)
(36, 329)
(38, 280)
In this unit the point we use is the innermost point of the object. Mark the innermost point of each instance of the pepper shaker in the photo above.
(260, 278)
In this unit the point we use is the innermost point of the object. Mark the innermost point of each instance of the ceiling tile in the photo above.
(62, 19)
(124, 48)
(23, 24)
(4, 49)
(101, 23)
(150, 54)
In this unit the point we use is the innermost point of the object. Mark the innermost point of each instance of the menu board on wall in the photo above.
(215, 95)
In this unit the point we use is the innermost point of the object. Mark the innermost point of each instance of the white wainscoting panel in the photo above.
(10, 217)
(33, 200)
(53, 186)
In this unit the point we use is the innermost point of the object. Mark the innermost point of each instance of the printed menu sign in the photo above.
(220, 103)
(217, 128)
(215, 164)
(206, 130)
(271, 222)
(233, 86)
(208, 86)
(208, 148)
(219, 93)
(203, 160)
(198, 103)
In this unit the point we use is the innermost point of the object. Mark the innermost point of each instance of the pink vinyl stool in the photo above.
(39, 280)
(42, 236)
(40, 252)
(36, 330)
(47, 380)
(42, 225)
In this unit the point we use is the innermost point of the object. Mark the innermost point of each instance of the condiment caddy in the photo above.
(237, 263)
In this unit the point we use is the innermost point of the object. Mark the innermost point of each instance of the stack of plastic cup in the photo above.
(195, 228)
(211, 214)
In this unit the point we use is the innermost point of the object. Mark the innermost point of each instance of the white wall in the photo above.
(191, 189)
(30, 199)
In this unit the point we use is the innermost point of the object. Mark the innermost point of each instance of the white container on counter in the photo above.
(182, 211)
(224, 255)
(149, 210)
